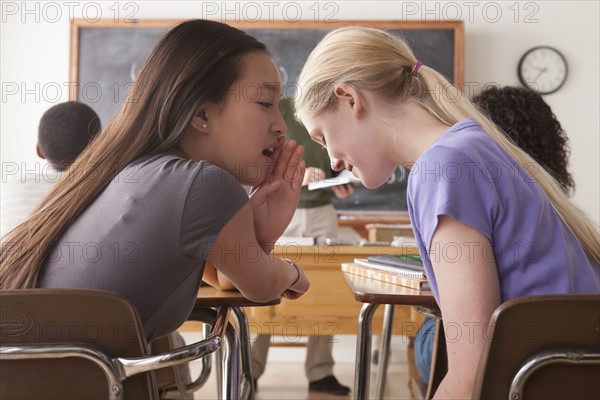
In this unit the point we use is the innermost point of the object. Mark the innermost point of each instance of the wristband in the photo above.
(297, 270)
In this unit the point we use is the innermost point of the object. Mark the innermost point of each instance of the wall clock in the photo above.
(543, 68)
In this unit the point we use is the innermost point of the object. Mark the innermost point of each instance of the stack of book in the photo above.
(403, 270)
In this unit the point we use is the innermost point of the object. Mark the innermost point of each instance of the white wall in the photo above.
(34, 55)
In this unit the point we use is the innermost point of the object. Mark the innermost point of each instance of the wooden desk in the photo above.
(373, 293)
(327, 308)
(358, 220)
(366, 290)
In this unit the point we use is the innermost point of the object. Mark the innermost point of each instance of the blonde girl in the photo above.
(490, 223)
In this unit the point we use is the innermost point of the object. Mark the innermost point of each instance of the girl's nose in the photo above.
(337, 165)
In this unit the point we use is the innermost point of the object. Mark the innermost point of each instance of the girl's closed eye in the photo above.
(266, 104)
(321, 140)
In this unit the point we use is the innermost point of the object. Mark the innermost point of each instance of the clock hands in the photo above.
(542, 70)
(533, 66)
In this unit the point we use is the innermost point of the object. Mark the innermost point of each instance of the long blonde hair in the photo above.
(196, 61)
(380, 62)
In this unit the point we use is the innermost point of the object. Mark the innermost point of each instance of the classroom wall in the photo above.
(34, 56)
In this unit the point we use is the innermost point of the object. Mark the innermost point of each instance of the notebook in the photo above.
(401, 261)
(391, 269)
(395, 279)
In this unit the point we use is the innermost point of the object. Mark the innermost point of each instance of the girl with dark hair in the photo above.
(159, 193)
(529, 122)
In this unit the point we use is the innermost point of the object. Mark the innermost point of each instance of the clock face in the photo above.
(543, 69)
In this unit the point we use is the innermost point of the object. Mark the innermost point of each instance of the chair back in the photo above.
(536, 327)
(50, 316)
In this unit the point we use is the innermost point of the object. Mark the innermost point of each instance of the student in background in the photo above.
(530, 123)
(374, 106)
(64, 131)
(523, 115)
(314, 217)
(163, 193)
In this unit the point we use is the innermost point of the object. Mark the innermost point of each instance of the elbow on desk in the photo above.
(264, 292)
(261, 297)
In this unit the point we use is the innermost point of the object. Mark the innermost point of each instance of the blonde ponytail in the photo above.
(380, 62)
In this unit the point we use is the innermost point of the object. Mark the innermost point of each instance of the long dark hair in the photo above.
(195, 62)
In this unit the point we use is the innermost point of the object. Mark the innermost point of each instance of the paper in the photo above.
(344, 177)
(295, 241)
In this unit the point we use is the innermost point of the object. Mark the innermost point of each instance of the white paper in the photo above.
(344, 177)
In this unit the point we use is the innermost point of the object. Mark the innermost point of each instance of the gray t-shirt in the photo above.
(147, 236)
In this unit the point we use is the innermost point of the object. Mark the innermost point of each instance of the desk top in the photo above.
(208, 296)
(367, 290)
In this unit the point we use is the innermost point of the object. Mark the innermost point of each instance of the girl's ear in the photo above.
(348, 96)
(39, 151)
(200, 122)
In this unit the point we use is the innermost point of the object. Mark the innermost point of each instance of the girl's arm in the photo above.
(258, 276)
(469, 292)
(215, 278)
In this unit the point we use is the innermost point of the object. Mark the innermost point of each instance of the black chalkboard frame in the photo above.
(388, 199)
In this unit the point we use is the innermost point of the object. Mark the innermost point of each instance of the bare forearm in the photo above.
(215, 278)
(258, 276)
(453, 388)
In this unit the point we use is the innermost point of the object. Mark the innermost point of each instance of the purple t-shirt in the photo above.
(468, 176)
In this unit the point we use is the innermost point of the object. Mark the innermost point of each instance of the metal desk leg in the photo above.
(219, 371)
(384, 350)
(363, 351)
(247, 383)
(230, 372)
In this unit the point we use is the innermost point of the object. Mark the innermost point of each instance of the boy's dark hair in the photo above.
(65, 130)
(530, 123)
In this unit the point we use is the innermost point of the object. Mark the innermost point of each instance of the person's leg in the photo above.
(260, 350)
(172, 378)
(319, 366)
(319, 359)
(424, 347)
(321, 222)
(297, 226)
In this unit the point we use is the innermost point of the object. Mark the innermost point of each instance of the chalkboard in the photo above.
(105, 58)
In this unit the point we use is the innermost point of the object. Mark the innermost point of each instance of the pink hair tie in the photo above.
(415, 69)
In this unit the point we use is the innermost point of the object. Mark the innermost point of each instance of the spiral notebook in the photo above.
(409, 272)
(394, 279)
(399, 260)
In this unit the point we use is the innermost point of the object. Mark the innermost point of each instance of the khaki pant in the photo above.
(318, 222)
(319, 360)
(170, 378)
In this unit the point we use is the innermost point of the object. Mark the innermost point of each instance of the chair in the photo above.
(74, 344)
(544, 347)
